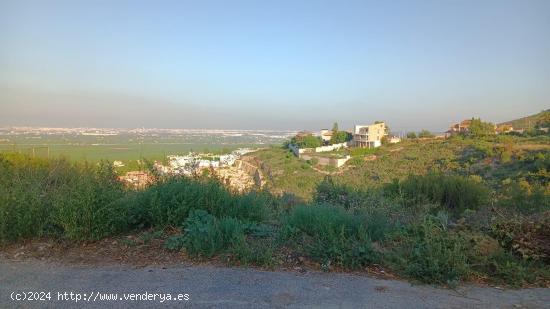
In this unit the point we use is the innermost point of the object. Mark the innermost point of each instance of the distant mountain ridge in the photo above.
(528, 121)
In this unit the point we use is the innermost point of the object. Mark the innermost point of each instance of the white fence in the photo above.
(298, 151)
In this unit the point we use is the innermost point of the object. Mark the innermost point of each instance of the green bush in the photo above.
(524, 197)
(259, 252)
(330, 235)
(169, 203)
(40, 197)
(306, 141)
(340, 137)
(425, 134)
(379, 214)
(337, 194)
(483, 149)
(505, 268)
(85, 203)
(206, 235)
(480, 128)
(427, 252)
(454, 193)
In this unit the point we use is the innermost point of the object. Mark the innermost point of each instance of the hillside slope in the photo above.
(529, 121)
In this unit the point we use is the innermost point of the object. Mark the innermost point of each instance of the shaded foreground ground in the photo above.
(215, 287)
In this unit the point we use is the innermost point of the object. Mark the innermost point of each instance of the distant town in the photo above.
(326, 147)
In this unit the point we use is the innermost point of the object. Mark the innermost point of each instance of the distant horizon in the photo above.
(441, 130)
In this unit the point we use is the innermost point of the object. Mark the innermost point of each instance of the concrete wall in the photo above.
(299, 151)
(331, 147)
(327, 160)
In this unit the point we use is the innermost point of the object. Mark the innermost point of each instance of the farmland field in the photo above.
(126, 146)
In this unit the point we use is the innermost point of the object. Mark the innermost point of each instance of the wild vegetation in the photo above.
(539, 120)
(308, 140)
(436, 211)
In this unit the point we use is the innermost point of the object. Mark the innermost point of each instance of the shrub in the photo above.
(23, 211)
(454, 193)
(524, 197)
(306, 141)
(355, 161)
(425, 134)
(504, 268)
(329, 192)
(170, 202)
(259, 253)
(340, 137)
(427, 252)
(84, 203)
(206, 235)
(483, 149)
(330, 235)
(40, 197)
(528, 238)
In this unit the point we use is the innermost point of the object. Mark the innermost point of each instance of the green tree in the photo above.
(340, 137)
(411, 135)
(306, 141)
(479, 128)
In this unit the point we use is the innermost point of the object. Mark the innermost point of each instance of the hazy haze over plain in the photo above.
(276, 65)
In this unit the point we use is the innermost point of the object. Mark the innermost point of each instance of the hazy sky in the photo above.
(272, 64)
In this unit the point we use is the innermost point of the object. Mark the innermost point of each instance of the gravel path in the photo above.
(214, 287)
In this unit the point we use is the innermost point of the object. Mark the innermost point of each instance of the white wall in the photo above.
(298, 151)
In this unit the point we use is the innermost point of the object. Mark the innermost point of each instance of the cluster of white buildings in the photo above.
(193, 162)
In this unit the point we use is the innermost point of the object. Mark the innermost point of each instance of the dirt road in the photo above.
(215, 287)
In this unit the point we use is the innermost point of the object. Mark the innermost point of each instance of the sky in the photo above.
(272, 64)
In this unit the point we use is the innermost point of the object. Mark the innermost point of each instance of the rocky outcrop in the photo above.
(243, 175)
(246, 164)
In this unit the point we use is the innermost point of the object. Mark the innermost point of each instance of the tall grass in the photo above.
(83, 201)
(332, 235)
(169, 202)
(454, 193)
(54, 196)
